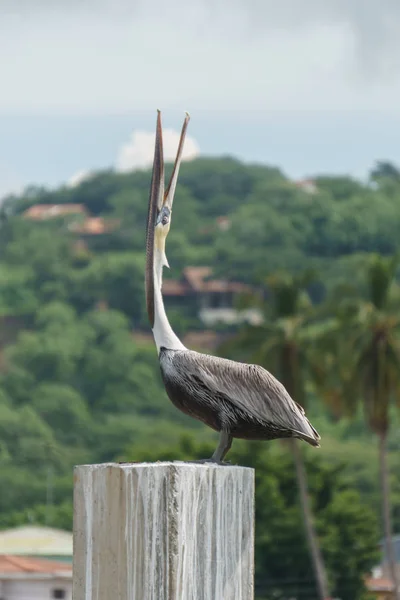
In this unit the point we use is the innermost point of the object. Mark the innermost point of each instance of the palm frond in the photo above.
(381, 273)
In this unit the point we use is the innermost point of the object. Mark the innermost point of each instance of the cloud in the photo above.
(138, 152)
(203, 55)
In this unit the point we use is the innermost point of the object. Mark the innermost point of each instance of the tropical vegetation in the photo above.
(79, 380)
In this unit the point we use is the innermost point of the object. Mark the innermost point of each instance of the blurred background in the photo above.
(283, 251)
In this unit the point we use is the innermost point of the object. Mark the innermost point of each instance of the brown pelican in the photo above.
(238, 400)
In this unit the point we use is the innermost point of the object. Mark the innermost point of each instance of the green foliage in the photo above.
(367, 339)
(115, 278)
(76, 387)
(348, 528)
(40, 514)
(340, 187)
(16, 294)
(280, 343)
(385, 170)
(64, 410)
(350, 525)
(26, 440)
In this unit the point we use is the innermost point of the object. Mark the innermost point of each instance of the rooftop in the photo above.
(379, 584)
(36, 541)
(17, 566)
(198, 279)
(51, 211)
(94, 226)
(206, 340)
(307, 185)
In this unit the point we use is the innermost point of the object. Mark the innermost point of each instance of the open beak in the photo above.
(157, 201)
(170, 191)
(158, 197)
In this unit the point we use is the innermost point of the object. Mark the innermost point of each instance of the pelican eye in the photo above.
(163, 216)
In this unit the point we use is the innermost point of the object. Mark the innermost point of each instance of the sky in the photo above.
(310, 86)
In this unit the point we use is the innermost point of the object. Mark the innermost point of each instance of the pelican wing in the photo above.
(250, 388)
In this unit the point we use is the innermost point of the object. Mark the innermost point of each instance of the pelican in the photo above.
(237, 400)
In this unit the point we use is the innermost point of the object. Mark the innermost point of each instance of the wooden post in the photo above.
(163, 531)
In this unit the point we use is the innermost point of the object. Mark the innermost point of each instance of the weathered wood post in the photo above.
(163, 531)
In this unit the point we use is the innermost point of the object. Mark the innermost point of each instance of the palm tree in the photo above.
(378, 376)
(280, 344)
(361, 362)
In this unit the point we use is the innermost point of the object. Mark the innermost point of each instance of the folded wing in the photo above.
(248, 387)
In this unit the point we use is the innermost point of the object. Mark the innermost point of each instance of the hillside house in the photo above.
(306, 185)
(37, 541)
(44, 212)
(203, 341)
(380, 587)
(23, 578)
(78, 219)
(93, 226)
(214, 299)
(383, 569)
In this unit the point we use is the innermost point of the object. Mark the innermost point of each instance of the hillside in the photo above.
(79, 378)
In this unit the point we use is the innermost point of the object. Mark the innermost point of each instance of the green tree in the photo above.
(280, 345)
(116, 376)
(378, 375)
(17, 296)
(49, 353)
(64, 410)
(386, 177)
(340, 187)
(115, 278)
(59, 516)
(368, 369)
(26, 440)
(348, 529)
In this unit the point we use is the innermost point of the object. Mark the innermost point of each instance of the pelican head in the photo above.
(163, 222)
(160, 209)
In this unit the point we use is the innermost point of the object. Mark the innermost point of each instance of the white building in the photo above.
(23, 578)
(214, 298)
